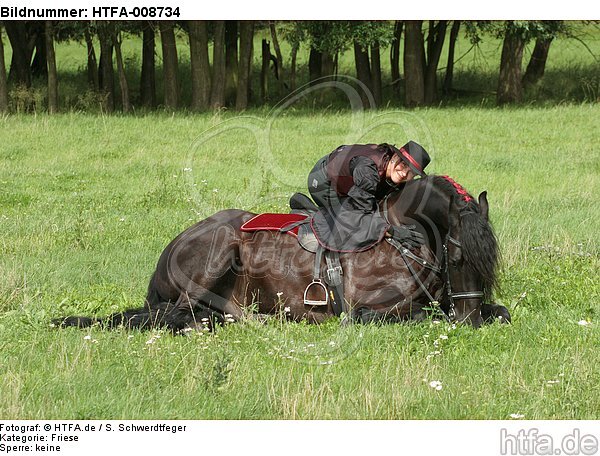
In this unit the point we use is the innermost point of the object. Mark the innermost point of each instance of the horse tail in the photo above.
(142, 318)
(151, 315)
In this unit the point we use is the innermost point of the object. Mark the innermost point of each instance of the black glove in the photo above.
(407, 236)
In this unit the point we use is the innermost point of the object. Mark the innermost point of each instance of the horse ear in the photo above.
(453, 213)
(483, 204)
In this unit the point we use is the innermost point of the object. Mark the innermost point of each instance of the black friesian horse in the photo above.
(214, 271)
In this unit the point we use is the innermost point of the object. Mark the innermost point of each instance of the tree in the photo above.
(170, 64)
(22, 36)
(39, 65)
(3, 81)
(51, 70)
(420, 64)
(148, 75)
(414, 63)
(448, 78)
(515, 35)
(395, 55)
(126, 105)
(106, 71)
(217, 96)
(277, 47)
(537, 63)
(92, 63)
(510, 88)
(198, 35)
(363, 70)
(370, 35)
(243, 88)
(376, 72)
(231, 60)
(435, 43)
(264, 70)
(294, 33)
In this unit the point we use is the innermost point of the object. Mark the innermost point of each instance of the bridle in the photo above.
(405, 253)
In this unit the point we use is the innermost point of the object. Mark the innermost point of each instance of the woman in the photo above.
(348, 183)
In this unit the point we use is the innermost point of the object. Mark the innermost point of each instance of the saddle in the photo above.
(325, 288)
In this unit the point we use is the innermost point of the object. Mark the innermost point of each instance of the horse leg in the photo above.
(492, 312)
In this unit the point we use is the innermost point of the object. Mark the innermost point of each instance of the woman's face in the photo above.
(398, 171)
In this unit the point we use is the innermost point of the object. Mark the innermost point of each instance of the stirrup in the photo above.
(312, 302)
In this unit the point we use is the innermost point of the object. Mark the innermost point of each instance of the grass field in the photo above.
(88, 202)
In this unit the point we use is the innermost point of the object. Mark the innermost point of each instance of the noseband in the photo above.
(406, 254)
(459, 295)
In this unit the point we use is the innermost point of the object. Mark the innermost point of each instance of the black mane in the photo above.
(479, 243)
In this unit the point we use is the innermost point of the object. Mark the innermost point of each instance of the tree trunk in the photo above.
(200, 65)
(231, 60)
(121, 71)
(39, 66)
(510, 88)
(170, 64)
(437, 35)
(447, 85)
(363, 73)
(294, 55)
(22, 49)
(264, 71)
(414, 59)
(51, 70)
(327, 64)
(315, 65)
(537, 63)
(92, 63)
(245, 65)
(106, 72)
(277, 48)
(217, 96)
(395, 56)
(376, 72)
(3, 81)
(148, 76)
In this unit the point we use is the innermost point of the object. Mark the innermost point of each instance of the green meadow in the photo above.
(88, 202)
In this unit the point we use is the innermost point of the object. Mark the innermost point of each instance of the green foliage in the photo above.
(527, 30)
(338, 36)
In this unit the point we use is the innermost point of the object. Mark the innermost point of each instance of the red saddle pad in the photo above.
(272, 222)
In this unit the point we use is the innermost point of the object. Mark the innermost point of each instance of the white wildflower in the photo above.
(287, 309)
(88, 337)
(516, 416)
(436, 384)
(279, 294)
(443, 336)
(583, 323)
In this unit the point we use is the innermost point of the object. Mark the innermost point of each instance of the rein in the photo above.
(406, 253)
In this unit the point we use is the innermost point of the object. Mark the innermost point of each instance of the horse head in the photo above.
(460, 235)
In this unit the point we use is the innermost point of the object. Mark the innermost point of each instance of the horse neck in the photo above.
(420, 201)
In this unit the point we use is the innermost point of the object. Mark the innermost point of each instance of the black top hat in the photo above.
(415, 157)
